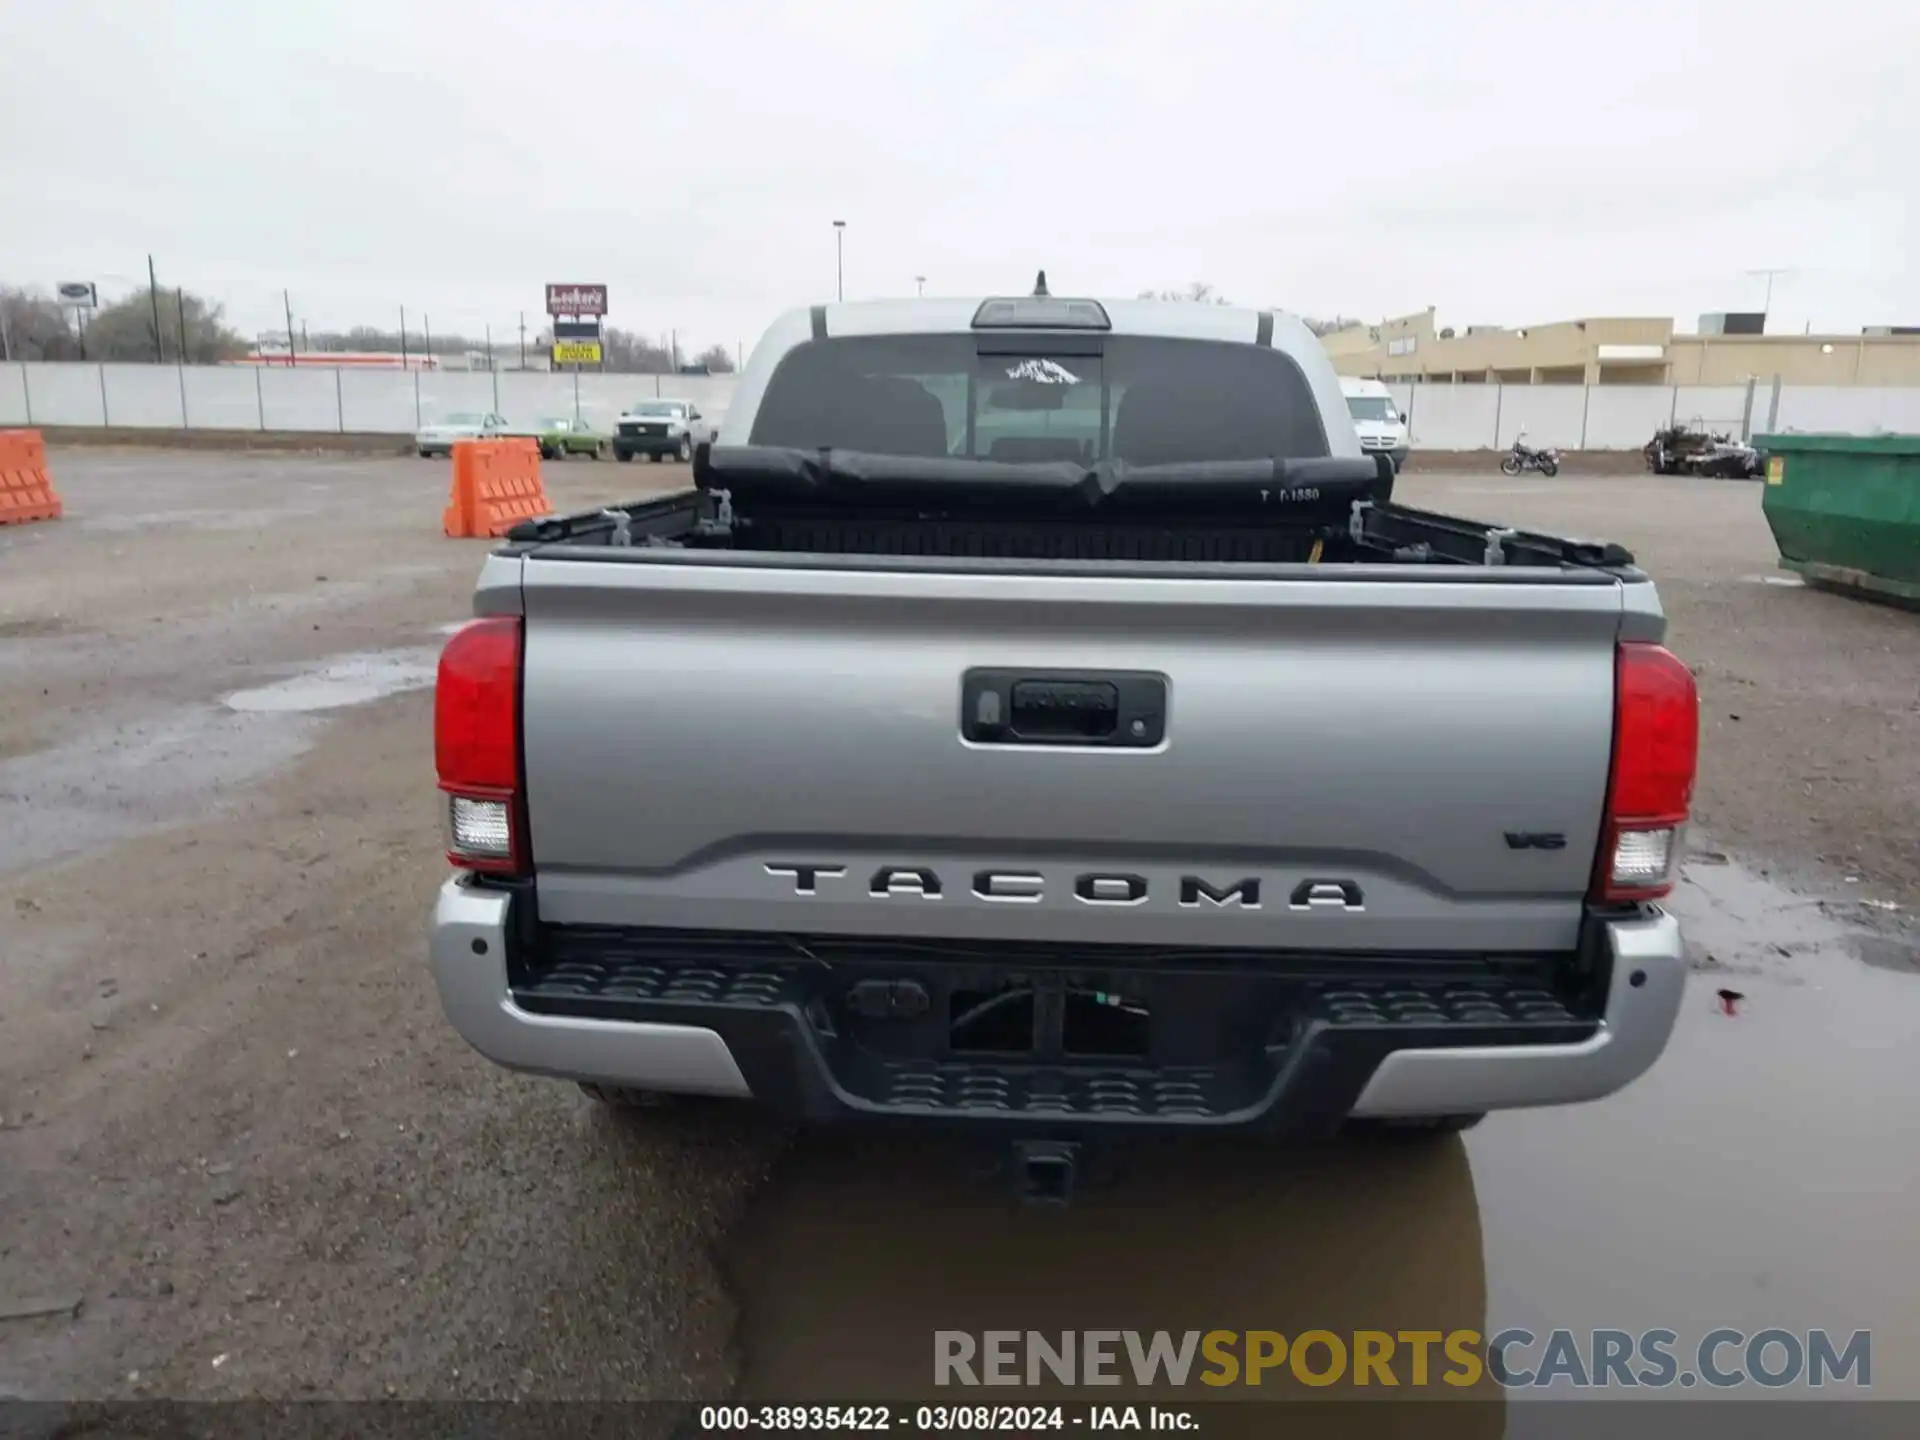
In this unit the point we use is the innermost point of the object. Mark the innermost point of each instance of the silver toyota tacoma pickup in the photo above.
(1039, 720)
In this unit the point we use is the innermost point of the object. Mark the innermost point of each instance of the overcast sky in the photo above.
(1506, 163)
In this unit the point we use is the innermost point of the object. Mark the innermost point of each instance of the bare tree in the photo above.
(124, 331)
(629, 353)
(1327, 327)
(717, 358)
(1198, 293)
(36, 326)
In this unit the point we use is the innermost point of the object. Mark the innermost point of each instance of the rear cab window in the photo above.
(1028, 397)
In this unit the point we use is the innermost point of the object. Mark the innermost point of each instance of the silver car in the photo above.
(438, 438)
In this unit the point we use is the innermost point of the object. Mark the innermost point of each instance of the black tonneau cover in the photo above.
(1308, 491)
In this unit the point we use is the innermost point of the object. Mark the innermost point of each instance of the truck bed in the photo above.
(803, 505)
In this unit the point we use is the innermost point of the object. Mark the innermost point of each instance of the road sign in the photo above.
(577, 352)
(78, 293)
(576, 300)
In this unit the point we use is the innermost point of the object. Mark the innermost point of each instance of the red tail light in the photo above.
(476, 746)
(1656, 748)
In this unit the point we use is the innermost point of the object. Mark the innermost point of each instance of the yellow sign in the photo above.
(576, 352)
(1776, 469)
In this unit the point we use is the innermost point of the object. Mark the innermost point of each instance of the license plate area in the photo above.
(1047, 1017)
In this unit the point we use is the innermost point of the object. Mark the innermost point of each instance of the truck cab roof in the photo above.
(1186, 321)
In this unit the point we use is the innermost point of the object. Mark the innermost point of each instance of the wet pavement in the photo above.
(234, 1125)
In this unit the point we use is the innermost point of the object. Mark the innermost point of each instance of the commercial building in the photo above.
(1622, 350)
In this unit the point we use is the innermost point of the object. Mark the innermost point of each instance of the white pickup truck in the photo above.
(660, 429)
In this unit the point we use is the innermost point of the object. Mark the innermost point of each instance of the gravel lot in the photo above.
(237, 1136)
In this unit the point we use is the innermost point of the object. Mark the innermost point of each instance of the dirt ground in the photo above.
(241, 1153)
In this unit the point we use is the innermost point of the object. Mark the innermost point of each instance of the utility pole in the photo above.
(523, 342)
(153, 294)
(673, 350)
(292, 350)
(180, 302)
(919, 284)
(426, 325)
(403, 337)
(489, 347)
(1766, 306)
(839, 260)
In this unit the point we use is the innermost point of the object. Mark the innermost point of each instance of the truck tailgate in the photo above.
(1384, 761)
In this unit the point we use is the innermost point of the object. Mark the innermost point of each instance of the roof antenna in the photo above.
(1040, 285)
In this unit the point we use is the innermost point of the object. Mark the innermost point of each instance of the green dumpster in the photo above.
(1845, 510)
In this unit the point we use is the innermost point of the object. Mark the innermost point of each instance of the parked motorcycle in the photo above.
(1524, 457)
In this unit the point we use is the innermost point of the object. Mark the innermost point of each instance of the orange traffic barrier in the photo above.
(496, 485)
(26, 490)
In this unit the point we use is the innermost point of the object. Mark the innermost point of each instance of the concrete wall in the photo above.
(1847, 409)
(1445, 416)
(219, 397)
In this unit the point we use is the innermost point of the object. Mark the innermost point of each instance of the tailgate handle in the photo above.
(1105, 709)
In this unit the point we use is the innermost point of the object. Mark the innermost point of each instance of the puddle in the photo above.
(857, 1249)
(1760, 1175)
(123, 779)
(117, 781)
(347, 680)
(1762, 1172)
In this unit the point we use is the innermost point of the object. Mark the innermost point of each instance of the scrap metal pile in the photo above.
(1693, 450)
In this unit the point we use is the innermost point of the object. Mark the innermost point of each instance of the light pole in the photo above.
(919, 284)
(839, 260)
(1766, 306)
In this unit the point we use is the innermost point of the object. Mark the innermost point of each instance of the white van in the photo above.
(1376, 419)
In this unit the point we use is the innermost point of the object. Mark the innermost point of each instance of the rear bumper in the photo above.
(745, 1031)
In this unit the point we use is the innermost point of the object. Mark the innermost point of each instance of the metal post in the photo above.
(426, 327)
(1773, 409)
(523, 346)
(839, 260)
(6, 342)
(26, 390)
(339, 401)
(259, 397)
(180, 370)
(1498, 397)
(105, 418)
(153, 294)
(403, 349)
(1746, 413)
(1586, 401)
(416, 399)
(292, 348)
(180, 304)
(493, 372)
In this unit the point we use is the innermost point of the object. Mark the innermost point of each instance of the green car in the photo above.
(563, 436)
